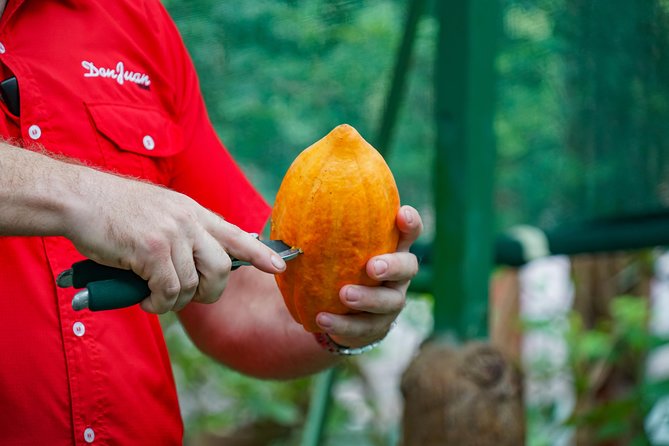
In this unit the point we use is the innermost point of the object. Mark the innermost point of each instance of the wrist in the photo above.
(350, 346)
(80, 187)
(337, 348)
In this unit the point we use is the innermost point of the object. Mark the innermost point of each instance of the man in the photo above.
(110, 85)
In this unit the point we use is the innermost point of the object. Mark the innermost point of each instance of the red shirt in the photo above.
(109, 83)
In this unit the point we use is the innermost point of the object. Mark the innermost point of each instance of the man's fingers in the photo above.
(354, 330)
(395, 267)
(244, 246)
(199, 270)
(164, 285)
(213, 265)
(378, 307)
(410, 225)
(184, 265)
(377, 300)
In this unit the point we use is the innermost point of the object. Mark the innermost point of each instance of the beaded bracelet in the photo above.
(328, 344)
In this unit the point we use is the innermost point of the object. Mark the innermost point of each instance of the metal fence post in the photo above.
(464, 164)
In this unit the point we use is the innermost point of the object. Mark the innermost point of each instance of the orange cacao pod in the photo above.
(337, 203)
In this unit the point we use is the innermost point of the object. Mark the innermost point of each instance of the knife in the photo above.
(108, 288)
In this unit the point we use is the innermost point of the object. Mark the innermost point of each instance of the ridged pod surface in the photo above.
(337, 202)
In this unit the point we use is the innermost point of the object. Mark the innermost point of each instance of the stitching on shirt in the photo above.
(118, 73)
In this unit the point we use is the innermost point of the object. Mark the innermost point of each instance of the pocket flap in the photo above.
(142, 130)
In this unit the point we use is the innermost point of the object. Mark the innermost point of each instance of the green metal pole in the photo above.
(521, 244)
(464, 167)
(319, 406)
(400, 71)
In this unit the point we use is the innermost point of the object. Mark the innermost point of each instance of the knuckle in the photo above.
(230, 230)
(190, 284)
(156, 246)
(210, 290)
(396, 300)
(164, 284)
(235, 230)
(413, 265)
(171, 227)
(393, 304)
(171, 291)
(223, 266)
(212, 294)
(185, 218)
(216, 273)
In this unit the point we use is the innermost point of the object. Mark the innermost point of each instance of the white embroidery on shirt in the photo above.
(118, 73)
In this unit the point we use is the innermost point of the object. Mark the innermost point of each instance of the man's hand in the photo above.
(178, 246)
(380, 305)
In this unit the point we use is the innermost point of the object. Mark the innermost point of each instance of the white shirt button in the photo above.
(34, 132)
(149, 143)
(79, 329)
(2, 48)
(89, 435)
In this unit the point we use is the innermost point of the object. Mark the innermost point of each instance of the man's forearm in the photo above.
(250, 330)
(34, 190)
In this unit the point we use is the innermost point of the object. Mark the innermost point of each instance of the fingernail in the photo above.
(408, 216)
(380, 267)
(352, 294)
(278, 262)
(325, 321)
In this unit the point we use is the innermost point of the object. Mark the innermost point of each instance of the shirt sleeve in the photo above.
(204, 169)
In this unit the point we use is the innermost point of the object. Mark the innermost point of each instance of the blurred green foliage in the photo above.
(601, 412)
(277, 75)
(219, 400)
(582, 111)
(622, 342)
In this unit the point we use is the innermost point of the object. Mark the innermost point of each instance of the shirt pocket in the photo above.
(136, 141)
